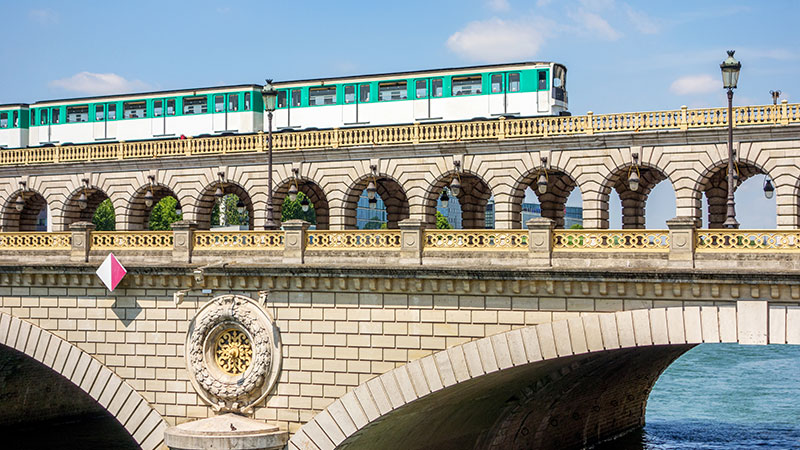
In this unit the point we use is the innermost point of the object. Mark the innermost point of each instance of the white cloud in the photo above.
(44, 16)
(592, 24)
(498, 5)
(99, 84)
(642, 22)
(498, 40)
(695, 84)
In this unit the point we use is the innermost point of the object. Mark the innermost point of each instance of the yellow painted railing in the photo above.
(611, 240)
(232, 240)
(748, 240)
(679, 119)
(132, 240)
(466, 240)
(354, 239)
(35, 241)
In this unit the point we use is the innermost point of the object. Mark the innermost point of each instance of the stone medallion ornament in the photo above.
(233, 353)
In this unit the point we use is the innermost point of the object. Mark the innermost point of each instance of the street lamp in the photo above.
(769, 189)
(445, 199)
(269, 94)
(148, 196)
(775, 95)
(730, 77)
(633, 175)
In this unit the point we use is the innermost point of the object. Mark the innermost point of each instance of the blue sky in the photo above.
(621, 55)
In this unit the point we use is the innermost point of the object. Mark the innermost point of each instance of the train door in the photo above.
(162, 108)
(48, 117)
(497, 94)
(288, 99)
(104, 116)
(354, 96)
(422, 103)
(542, 91)
(224, 107)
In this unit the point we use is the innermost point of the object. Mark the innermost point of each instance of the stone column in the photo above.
(540, 241)
(183, 240)
(225, 431)
(81, 241)
(682, 235)
(412, 234)
(295, 241)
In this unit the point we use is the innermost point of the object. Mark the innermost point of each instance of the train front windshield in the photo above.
(559, 82)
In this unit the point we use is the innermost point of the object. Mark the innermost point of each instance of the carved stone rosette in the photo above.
(233, 353)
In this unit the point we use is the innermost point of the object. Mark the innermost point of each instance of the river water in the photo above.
(724, 396)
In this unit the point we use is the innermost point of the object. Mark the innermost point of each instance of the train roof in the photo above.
(190, 91)
(13, 105)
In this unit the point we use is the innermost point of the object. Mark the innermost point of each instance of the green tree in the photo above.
(294, 210)
(104, 219)
(576, 226)
(375, 223)
(441, 222)
(163, 214)
(232, 215)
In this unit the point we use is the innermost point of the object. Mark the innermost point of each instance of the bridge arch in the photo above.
(391, 192)
(473, 197)
(310, 189)
(94, 196)
(713, 183)
(127, 406)
(27, 219)
(137, 213)
(634, 202)
(203, 204)
(560, 184)
(594, 373)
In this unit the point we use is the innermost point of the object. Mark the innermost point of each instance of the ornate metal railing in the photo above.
(244, 240)
(354, 239)
(748, 240)
(611, 240)
(679, 119)
(466, 240)
(35, 241)
(132, 240)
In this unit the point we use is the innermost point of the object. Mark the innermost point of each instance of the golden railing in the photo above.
(244, 240)
(132, 240)
(611, 240)
(678, 119)
(354, 239)
(514, 240)
(35, 241)
(748, 240)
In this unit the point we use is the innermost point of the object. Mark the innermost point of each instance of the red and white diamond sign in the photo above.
(111, 272)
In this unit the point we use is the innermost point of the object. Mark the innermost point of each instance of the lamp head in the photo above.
(304, 204)
(293, 192)
(269, 94)
(730, 71)
(769, 189)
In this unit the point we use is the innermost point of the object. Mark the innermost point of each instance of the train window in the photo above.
(134, 110)
(219, 103)
(195, 105)
(281, 102)
(295, 97)
(363, 95)
(513, 82)
(74, 114)
(247, 101)
(3, 120)
(350, 94)
(33, 117)
(233, 102)
(112, 112)
(171, 107)
(98, 113)
(497, 82)
(467, 85)
(322, 96)
(392, 91)
(437, 87)
(422, 89)
(542, 80)
(16, 119)
(43, 116)
(83, 115)
(158, 108)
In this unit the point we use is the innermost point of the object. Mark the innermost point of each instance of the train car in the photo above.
(519, 89)
(13, 125)
(218, 110)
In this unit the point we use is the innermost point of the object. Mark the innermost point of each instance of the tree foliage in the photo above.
(441, 222)
(163, 214)
(232, 215)
(104, 219)
(576, 226)
(375, 223)
(294, 210)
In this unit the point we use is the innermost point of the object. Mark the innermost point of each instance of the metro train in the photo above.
(518, 89)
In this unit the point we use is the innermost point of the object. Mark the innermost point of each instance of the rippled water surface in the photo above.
(724, 396)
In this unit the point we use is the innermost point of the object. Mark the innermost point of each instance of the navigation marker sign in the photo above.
(111, 272)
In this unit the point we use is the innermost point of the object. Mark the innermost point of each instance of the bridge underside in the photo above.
(564, 403)
(39, 408)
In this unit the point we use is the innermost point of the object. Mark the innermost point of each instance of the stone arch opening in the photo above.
(77, 210)
(139, 213)
(34, 215)
(714, 187)
(552, 203)
(632, 202)
(61, 369)
(317, 202)
(207, 202)
(390, 194)
(467, 209)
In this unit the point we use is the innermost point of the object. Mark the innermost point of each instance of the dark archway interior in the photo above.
(473, 198)
(716, 191)
(28, 218)
(205, 204)
(564, 403)
(40, 409)
(139, 212)
(73, 212)
(553, 202)
(315, 195)
(634, 202)
(393, 196)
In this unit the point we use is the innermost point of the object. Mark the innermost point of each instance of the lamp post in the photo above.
(730, 76)
(269, 94)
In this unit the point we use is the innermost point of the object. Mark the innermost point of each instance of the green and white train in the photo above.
(519, 89)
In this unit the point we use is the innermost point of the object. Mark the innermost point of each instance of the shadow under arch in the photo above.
(144, 424)
(390, 191)
(633, 202)
(311, 190)
(564, 384)
(72, 208)
(137, 214)
(28, 218)
(472, 198)
(206, 200)
(560, 185)
(714, 184)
